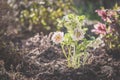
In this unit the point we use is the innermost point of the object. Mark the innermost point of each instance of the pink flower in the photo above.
(99, 28)
(58, 37)
(102, 14)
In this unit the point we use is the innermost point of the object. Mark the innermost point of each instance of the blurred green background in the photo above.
(88, 7)
(24, 18)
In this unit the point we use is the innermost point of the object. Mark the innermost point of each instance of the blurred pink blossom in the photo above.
(99, 28)
(102, 14)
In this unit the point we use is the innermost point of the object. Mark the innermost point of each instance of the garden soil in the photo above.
(39, 60)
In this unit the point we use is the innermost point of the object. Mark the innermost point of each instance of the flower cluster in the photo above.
(58, 36)
(110, 29)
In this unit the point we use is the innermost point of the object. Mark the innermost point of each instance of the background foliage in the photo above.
(40, 15)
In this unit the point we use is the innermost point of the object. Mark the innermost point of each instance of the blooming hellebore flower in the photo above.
(58, 37)
(99, 28)
(78, 34)
(102, 14)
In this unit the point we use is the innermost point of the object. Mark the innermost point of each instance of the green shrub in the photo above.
(41, 15)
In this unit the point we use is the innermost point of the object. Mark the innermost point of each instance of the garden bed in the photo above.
(43, 62)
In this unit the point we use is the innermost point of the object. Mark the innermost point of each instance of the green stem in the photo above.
(69, 55)
(73, 57)
(64, 51)
(69, 51)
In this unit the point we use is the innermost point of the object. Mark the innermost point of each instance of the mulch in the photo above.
(43, 61)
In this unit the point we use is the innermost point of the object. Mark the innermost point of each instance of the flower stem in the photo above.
(64, 51)
(67, 57)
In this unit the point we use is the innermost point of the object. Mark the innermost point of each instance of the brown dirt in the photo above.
(42, 61)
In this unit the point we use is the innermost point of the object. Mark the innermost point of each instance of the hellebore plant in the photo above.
(73, 42)
(110, 30)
